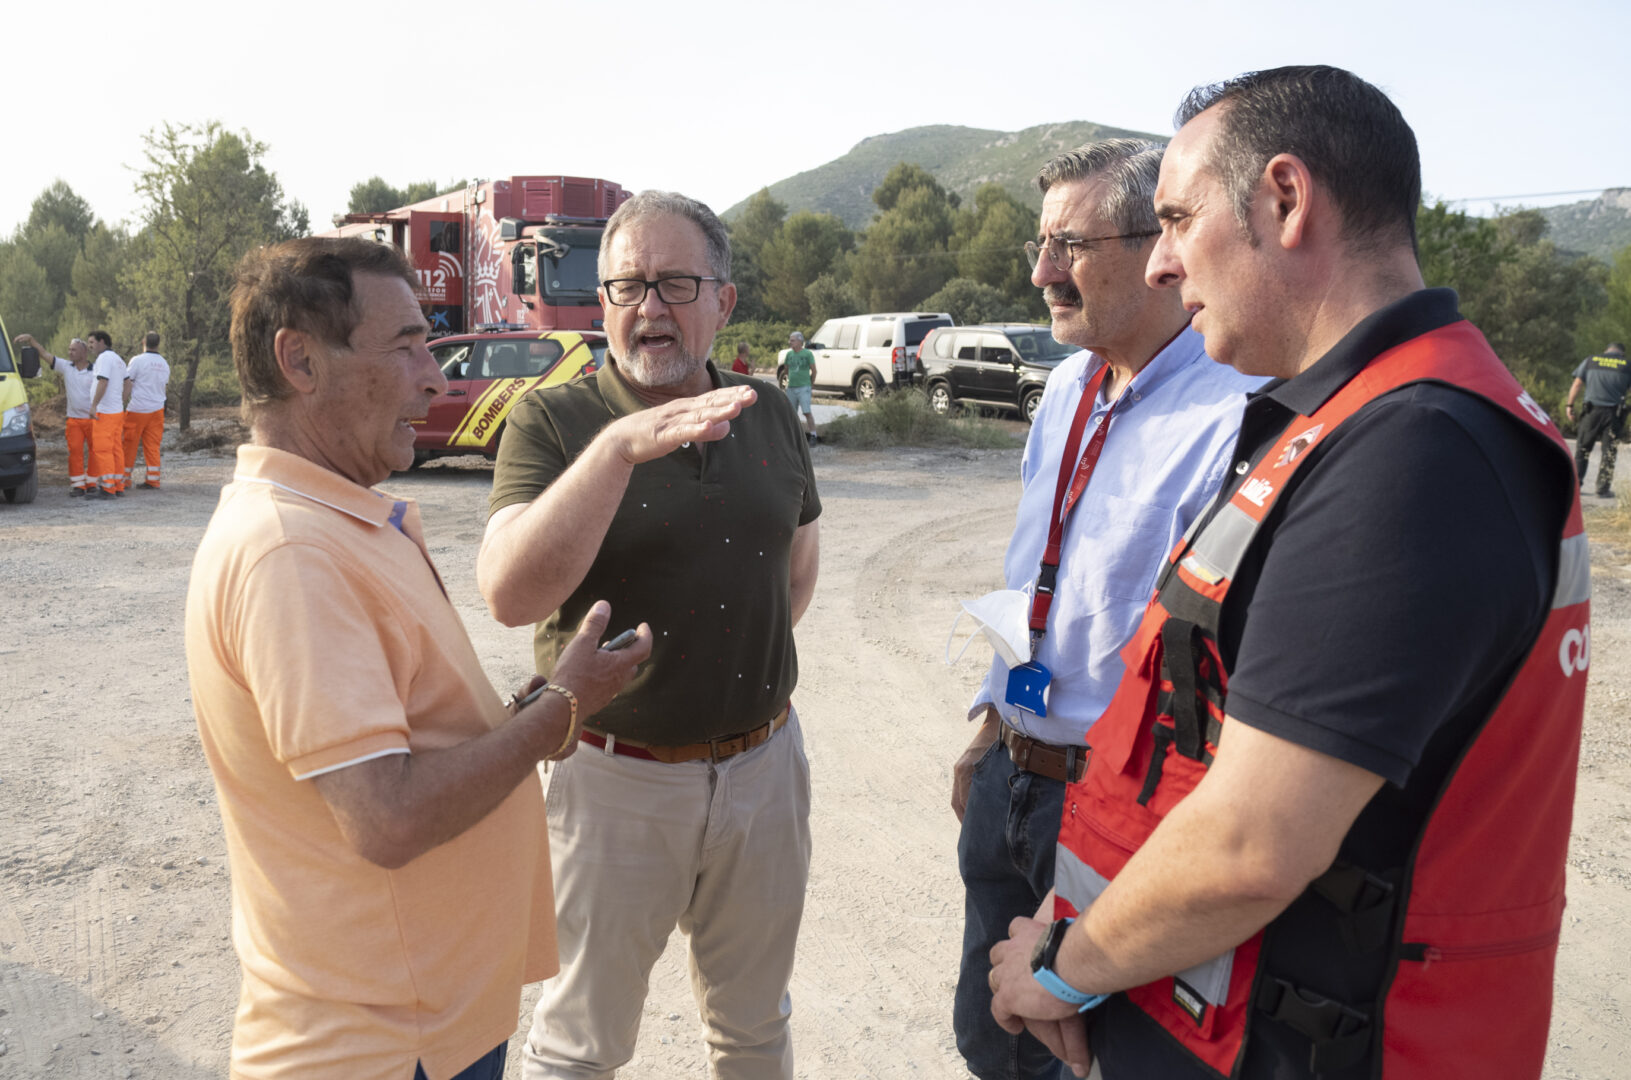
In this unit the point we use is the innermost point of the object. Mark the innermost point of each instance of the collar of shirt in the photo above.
(309, 480)
(620, 396)
(1182, 351)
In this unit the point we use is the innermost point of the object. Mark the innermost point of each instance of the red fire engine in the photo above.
(502, 254)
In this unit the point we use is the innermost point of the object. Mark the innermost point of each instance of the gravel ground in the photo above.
(114, 910)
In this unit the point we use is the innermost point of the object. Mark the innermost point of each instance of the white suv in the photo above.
(861, 354)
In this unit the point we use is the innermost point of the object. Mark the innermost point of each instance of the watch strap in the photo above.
(1065, 992)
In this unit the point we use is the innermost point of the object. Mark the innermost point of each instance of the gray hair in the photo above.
(1129, 169)
(796, 334)
(653, 204)
(80, 341)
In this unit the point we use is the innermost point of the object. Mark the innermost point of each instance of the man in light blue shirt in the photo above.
(1173, 414)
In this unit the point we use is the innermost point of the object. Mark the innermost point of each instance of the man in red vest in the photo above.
(1324, 819)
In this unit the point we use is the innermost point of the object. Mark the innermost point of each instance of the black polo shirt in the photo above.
(699, 548)
(1379, 617)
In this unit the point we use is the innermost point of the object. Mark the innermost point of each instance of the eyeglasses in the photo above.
(631, 292)
(1062, 251)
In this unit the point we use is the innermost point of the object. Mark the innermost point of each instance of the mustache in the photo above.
(1061, 292)
(665, 326)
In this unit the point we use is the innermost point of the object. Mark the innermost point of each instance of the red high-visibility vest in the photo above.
(1471, 921)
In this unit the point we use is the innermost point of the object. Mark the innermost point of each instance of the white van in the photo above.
(859, 355)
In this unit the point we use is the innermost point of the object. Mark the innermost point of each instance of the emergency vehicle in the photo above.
(510, 254)
(19, 477)
(487, 375)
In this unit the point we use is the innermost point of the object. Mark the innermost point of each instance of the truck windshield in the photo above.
(5, 354)
(566, 265)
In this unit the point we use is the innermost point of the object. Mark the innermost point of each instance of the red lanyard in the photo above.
(1072, 482)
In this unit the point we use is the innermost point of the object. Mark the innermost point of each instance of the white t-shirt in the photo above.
(148, 374)
(110, 367)
(79, 384)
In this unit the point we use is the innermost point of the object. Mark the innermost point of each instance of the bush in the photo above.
(904, 418)
(765, 339)
(217, 382)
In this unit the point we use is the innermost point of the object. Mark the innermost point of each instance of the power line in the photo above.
(1533, 195)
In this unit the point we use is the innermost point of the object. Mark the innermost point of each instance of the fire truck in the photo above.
(516, 254)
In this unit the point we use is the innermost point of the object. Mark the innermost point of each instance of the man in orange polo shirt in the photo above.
(383, 814)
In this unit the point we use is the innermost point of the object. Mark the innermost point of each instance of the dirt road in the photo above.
(114, 957)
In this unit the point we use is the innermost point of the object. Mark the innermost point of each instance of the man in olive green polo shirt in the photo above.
(689, 806)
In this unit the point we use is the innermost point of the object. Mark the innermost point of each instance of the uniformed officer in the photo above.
(1605, 378)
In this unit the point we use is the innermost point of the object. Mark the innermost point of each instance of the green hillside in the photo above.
(961, 158)
(1600, 226)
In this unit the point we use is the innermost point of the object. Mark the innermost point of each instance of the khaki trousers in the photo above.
(639, 847)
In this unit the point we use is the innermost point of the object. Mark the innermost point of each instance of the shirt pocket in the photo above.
(1126, 542)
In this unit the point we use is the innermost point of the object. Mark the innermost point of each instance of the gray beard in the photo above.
(659, 375)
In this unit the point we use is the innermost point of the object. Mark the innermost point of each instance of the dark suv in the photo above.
(1002, 366)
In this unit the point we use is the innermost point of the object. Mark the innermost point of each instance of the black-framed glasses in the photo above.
(631, 292)
(1062, 250)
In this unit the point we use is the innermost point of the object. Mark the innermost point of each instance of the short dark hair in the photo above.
(1351, 136)
(1614, 346)
(152, 339)
(103, 336)
(304, 285)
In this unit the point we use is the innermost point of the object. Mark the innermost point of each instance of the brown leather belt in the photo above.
(714, 749)
(1062, 763)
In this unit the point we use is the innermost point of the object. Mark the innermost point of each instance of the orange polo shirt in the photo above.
(318, 636)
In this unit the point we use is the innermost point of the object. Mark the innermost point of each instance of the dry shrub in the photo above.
(905, 418)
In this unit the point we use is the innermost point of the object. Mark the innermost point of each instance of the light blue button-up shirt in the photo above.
(1165, 456)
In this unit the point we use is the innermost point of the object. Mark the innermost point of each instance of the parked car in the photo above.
(998, 366)
(487, 374)
(858, 355)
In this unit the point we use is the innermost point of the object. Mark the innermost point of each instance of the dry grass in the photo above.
(904, 418)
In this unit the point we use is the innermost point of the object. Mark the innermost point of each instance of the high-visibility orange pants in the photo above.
(79, 452)
(108, 451)
(144, 430)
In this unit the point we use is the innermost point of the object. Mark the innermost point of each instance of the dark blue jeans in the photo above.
(489, 1067)
(1005, 854)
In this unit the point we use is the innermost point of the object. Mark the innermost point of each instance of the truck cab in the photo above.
(19, 477)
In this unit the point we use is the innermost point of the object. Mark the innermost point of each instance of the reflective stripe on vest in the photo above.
(1511, 792)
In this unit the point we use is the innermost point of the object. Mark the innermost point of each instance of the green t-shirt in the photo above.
(800, 365)
(699, 548)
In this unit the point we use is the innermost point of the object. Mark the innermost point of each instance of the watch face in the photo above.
(1046, 947)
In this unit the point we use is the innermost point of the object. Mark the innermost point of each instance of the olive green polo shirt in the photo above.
(699, 548)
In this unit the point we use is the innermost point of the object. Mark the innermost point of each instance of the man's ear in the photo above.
(1288, 186)
(294, 359)
(727, 304)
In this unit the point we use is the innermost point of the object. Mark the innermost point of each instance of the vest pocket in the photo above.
(1473, 997)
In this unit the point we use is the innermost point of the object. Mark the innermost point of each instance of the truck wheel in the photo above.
(24, 492)
(1028, 405)
(940, 399)
(781, 376)
(866, 386)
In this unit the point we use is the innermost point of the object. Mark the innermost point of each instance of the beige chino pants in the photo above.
(639, 847)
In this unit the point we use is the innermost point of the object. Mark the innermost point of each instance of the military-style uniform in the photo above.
(1607, 378)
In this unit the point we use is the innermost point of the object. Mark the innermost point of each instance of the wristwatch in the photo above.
(1043, 958)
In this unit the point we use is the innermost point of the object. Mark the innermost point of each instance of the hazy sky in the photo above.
(717, 99)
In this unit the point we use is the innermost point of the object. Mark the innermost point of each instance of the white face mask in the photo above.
(1004, 618)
